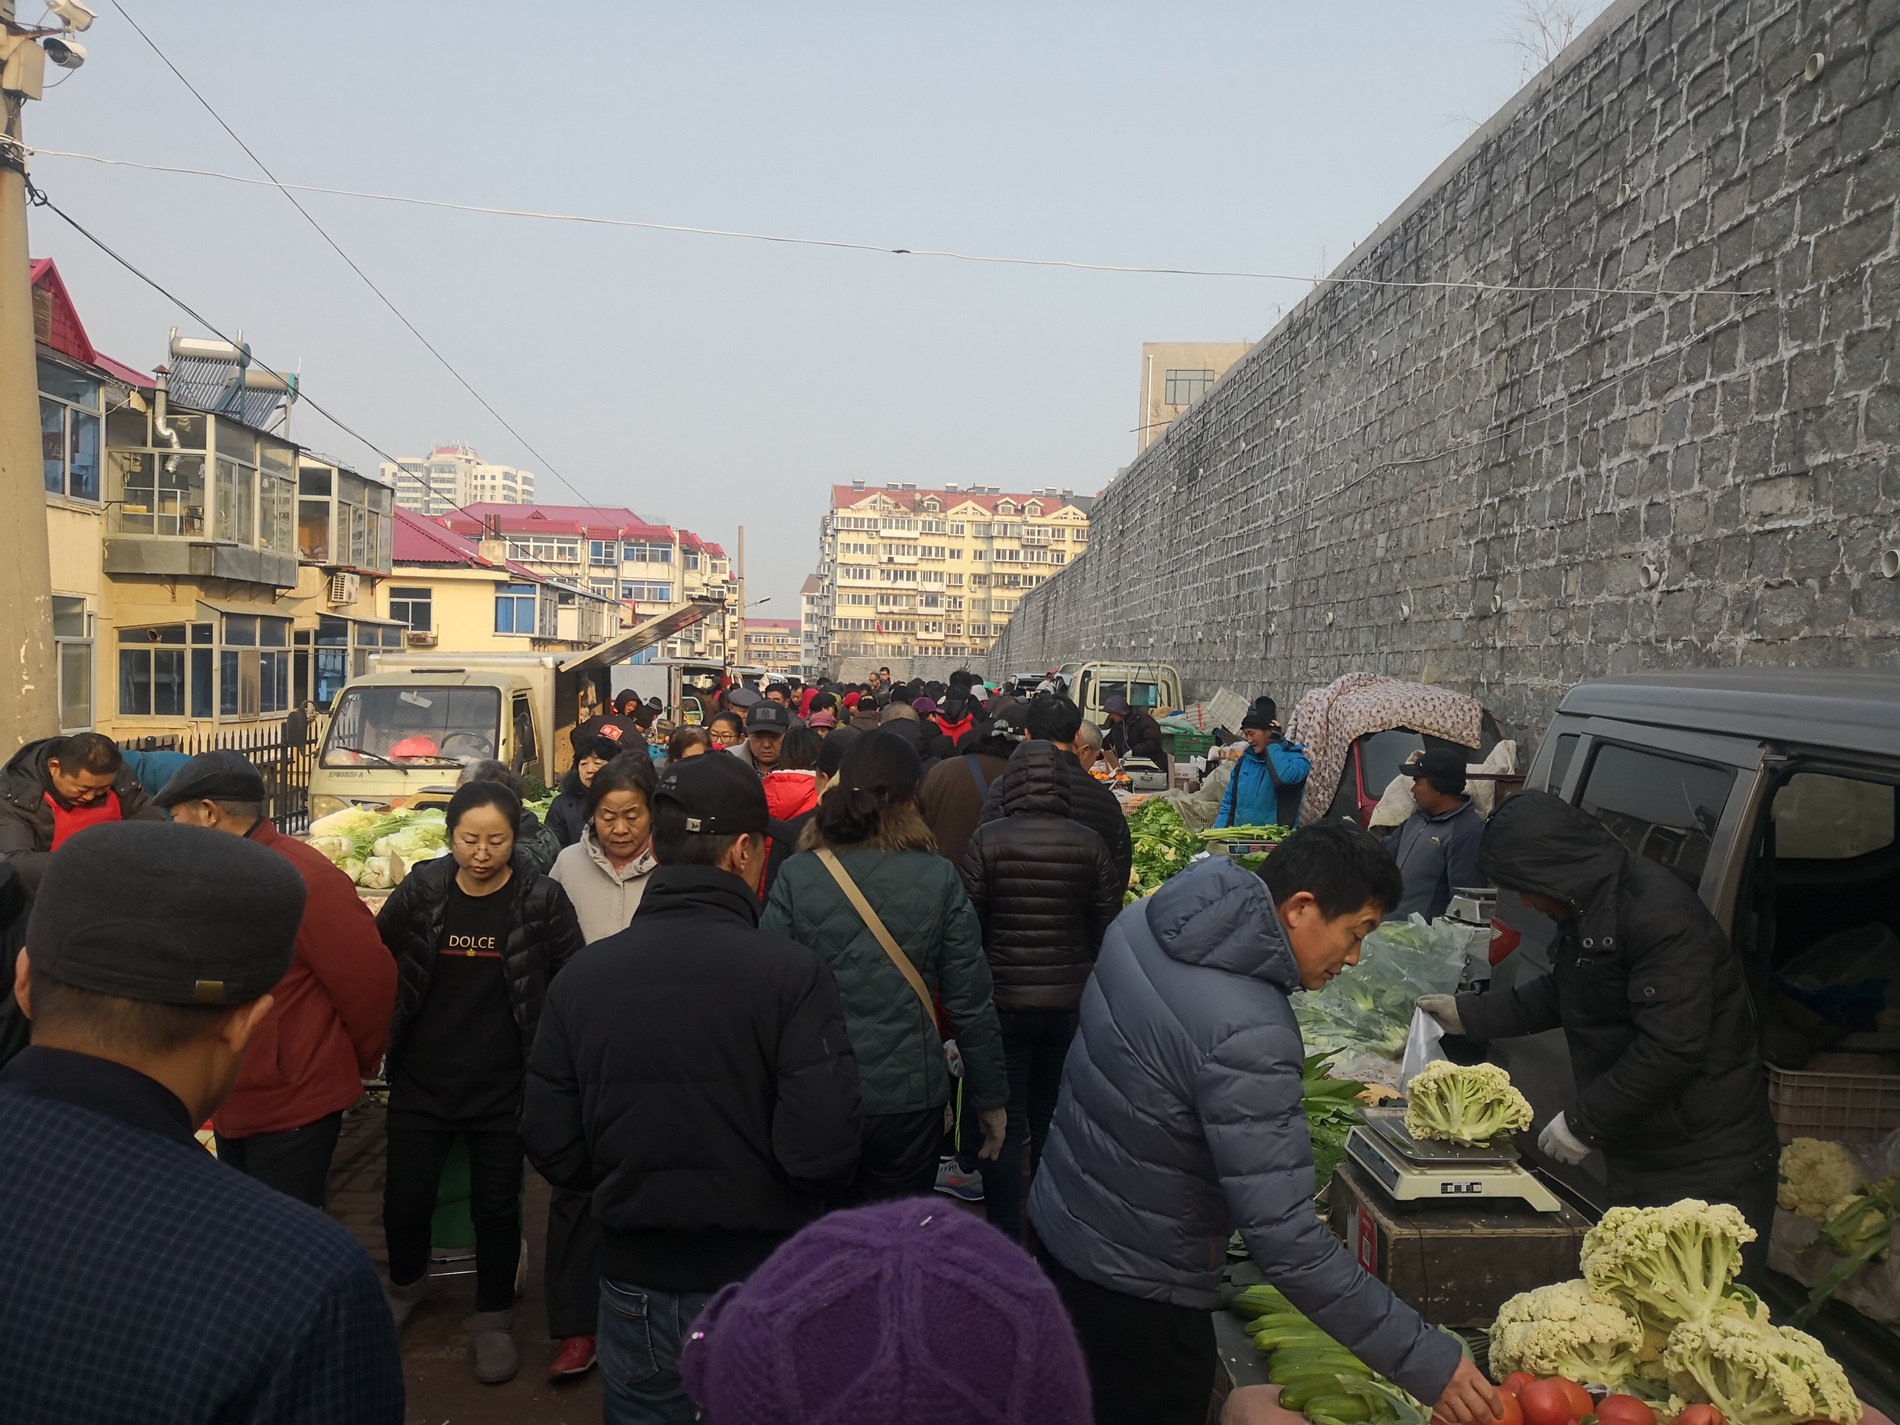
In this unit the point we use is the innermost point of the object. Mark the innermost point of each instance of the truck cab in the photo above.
(1775, 794)
(1155, 688)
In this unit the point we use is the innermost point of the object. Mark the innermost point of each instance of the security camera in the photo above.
(76, 16)
(67, 54)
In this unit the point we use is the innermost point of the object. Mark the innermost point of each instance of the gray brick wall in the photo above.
(1510, 492)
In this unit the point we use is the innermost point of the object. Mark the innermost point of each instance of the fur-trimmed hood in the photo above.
(900, 829)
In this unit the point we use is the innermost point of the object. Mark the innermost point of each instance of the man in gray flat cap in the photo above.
(145, 1281)
(329, 1020)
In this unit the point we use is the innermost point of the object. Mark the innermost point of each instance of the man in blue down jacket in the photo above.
(1181, 1119)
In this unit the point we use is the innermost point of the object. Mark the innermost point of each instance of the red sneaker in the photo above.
(575, 1358)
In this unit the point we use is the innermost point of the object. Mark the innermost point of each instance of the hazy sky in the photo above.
(709, 382)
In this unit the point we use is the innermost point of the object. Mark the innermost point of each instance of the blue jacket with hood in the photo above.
(1252, 799)
(1180, 1119)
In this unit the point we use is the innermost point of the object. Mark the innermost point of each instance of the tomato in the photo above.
(1579, 1398)
(1624, 1410)
(1516, 1381)
(1700, 1415)
(1545, 1402)
(1509, 1411)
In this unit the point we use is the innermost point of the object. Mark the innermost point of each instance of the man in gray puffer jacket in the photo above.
(1180, 1119)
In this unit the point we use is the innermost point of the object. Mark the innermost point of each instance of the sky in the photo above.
(713, 382)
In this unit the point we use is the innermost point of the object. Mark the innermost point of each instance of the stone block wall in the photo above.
(1510, 491)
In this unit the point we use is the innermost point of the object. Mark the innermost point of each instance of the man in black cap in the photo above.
(1268, 780)
(693, 1073)
(329, 1020)
(1437, 846)
(766, 724)
(145, 1281)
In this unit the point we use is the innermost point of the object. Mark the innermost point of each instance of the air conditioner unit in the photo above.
(421, 640)
(344, 588)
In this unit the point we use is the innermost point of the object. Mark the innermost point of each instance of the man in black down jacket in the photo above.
(58, 786)
(1056, 720)
(694, 1074)
(1046, 893)
(1652, 1000)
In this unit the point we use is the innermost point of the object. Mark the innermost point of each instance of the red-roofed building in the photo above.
(909, 573)
(773, 644)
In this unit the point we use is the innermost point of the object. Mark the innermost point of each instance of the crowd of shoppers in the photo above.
(744, 1013)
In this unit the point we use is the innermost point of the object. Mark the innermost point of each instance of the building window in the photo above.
(646, 593)
(1184, 388)
(692, 560)
(605, 551)
(655, 554)
(69, 432)
(415, 607)
(514, 608)
(72, 633)
(152, 671)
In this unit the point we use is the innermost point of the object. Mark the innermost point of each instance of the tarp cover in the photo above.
(1328, 720)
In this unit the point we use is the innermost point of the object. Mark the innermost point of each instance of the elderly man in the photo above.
(329, 1018)
(56, 787)
(145, 1280)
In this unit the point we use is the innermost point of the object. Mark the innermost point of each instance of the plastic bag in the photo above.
(1369, 1007)
(1874, 1290)
(1421, 1046)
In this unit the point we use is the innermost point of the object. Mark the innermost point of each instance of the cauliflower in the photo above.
(1815, 1176)
(1671, 1264)
(1564, 1330)
(1757, 1374)
(1465, 1103)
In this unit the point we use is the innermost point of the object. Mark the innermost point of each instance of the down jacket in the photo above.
(1181, 1119)
(1043, 886)
(1651, 998)
(919, 897)
(26, 821)
(1092, 804)
(543, 935)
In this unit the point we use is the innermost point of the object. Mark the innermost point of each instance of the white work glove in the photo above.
(1444, 1009)
(1557, 1141)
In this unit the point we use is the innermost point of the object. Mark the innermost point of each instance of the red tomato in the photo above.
(1511, 1413)
(1700, 1415)
(1624, 1410)
(1545, 1402)
(1516, 1381)
(1579, 1398)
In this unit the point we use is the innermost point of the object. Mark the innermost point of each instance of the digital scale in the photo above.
(1411, 1170)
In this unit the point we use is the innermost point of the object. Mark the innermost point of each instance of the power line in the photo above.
(1500, 288)
(382, 296)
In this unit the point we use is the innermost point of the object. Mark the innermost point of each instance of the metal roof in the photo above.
(625, 645)
(1855, 709)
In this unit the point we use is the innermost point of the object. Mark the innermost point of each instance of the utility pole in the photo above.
(739, 657)
(28, 679)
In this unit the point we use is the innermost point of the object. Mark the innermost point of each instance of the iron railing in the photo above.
(283, 753)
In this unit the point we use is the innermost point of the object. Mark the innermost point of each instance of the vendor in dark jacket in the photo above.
(1052, 718)
(694, 1073)
(1654, 1004)
(567, 813)
(56, 788)
(1180, 1120)
(1436, 847)
(478, 935)
(1045, 893)
(1132, 732)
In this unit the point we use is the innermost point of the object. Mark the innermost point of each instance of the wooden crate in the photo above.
(1454, 1263)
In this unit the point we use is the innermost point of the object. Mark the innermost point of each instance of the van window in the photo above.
(1823, 818)
(525, 751)
(1662, 807)
(1139, 694)
(1381, 754)
(1560, 761)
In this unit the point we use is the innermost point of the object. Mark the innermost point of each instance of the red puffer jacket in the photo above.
(328, 1025)
(790, 793)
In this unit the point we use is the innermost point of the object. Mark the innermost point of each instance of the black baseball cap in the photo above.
(768, 717)
(1445, 768)
(220, 776)
(193, 916)
(720, 795)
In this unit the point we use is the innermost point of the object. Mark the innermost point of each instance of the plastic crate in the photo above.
(1189, 744)
(1846, 1108)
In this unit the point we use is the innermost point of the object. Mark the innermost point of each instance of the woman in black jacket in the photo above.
(477, 936)
(567, 813)
(1045, 890)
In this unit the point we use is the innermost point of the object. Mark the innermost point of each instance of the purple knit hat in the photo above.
(926, 706)
(910, 1311)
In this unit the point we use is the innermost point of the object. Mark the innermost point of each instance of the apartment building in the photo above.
(452, 476)
(773, 644)
(904, 572)
(613, 553)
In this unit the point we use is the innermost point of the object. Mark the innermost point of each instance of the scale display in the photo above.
(1412, 1170)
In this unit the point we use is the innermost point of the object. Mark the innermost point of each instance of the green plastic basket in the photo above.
(1189, 744)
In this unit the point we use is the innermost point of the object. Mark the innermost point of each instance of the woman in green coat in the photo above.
(868, 823)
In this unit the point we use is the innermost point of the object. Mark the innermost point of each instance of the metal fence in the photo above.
(283, 752)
